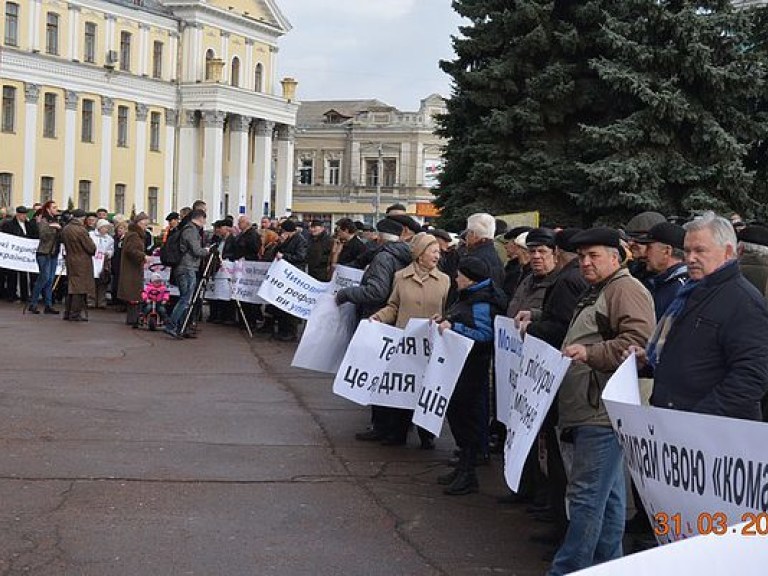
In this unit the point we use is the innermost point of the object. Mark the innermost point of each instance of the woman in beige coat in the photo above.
(420, 290)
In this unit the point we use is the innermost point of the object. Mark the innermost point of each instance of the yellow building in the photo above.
(356, 157)
(145, 105)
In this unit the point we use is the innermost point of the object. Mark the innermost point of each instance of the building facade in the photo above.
(350, 152)
(145, 105)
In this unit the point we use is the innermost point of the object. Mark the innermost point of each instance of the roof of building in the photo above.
(148, 5)
(314, 111)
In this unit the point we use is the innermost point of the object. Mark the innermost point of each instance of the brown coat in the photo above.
(413, 298)
(80, 250)
(132, 265)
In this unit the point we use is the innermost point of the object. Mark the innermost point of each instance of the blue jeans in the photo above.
(44, 283)
(597, 498)
(186, 280)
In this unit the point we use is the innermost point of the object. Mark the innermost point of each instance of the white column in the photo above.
(170, 57)
(248, 73)
(29, 176)
(73, 45)
(186, 176)
(238, 160)
(70, 133)
(171, 117)
(105, 175)
(143, 49)
(262, 169)
(141, 156)
(354, 165)
(226, 73)
(35, 25)
(213, 126)
(197, 60)
(272, 88)
(110, 32)
(405, 167)
(285, 169)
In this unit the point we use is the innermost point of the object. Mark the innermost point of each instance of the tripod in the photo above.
(211, 266)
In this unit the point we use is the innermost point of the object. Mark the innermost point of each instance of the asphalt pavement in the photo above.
(125, 452)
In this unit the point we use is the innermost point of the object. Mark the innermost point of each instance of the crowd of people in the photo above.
(689, 299)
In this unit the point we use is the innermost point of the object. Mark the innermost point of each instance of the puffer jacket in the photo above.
(192, 248)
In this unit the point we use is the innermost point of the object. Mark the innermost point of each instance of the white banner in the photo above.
(326, 336)
(508, 355)
(18, 253)
(345, 277)
(247, 280)
(541, 372)
(696, 473)
(291, 290)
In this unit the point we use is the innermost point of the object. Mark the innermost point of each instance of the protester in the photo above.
(517, 266)
(615, 313)
(132, 262)
(664, 258)
(17, 283)
(479, 239)
(419, 290)
(47, 256)
(292, 249)
(225, 244)
(319, 252)
(173, 220)
(248, 245)
(347, 247)
(105, 245)
(753, 256)
(636, 230)
(121, 228)
(410, 226)
(79, 251)
(471, 316)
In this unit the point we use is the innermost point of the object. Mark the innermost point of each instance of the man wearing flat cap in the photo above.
(614, 313)
(79, 251)
(319, 252)
(410, 226)
(636, 230)
(19, 226)
(753, 256)
(664, 257)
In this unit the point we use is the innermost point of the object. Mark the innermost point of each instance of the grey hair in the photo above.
(757, 249)
(721, 228)
(482, 224)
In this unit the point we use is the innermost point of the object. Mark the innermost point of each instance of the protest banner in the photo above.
(291, 290)
(219, 287)
(247, 279)
(401, 380)
(18, 253)
(716, 555)
(345, 277)
(696, 473)
(508, 355)
(541, 372)
(449, 352)
(366, 358)
(326, 336)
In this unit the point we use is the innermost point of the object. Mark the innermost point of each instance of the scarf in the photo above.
(675, 308)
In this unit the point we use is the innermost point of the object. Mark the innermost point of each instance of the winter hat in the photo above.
(474, 268)
(420, 243)
(102, 222)
(389, 226)
(140, 216)
(155, 276)
(288, 226)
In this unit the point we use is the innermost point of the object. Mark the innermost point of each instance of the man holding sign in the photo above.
(615, 313)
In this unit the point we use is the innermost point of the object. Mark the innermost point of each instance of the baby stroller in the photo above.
(154, 298)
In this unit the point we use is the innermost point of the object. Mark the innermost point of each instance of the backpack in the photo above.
(171, 252)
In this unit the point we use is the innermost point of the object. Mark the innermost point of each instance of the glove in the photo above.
(341, 297)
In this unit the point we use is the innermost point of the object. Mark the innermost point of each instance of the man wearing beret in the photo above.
(410, 226)
(709, 353)
(664, 257)
(19, 226)
(616, 312)
(753, 256)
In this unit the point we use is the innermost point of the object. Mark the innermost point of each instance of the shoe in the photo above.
(369, 436)
(447, 479)
(50, 310)
(189, 335)
(172, 333)
(513, 498)
(464, 483)
(34, 310)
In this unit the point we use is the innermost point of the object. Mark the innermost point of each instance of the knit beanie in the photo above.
(420, 243)
(474, 268)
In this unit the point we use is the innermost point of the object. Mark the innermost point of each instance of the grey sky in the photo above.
(357, 49)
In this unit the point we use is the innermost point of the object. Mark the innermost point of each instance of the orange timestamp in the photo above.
(754, 524)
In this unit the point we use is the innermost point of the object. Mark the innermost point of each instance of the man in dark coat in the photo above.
(479, 239)
(664, 257)
(248, 247)
(292, 249)
(348, 247)
(132, 258)
(79, 251)
(19, 226)
(710, 351)
(319, 252)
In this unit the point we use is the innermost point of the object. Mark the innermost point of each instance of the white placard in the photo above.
(326, 336)
(508, 355)
(291, 290)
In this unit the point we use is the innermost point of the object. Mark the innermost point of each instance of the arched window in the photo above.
(209, 56)
(235, 76)
(259, 81)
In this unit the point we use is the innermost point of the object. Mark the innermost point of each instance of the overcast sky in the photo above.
(360, 49)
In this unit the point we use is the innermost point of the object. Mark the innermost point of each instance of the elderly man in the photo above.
(79, 250)
(319, 250)
(614, 314)
(347, 247)
(541, 245)
(19, 226)
(664, 258)
(710, 351)
(479, 240)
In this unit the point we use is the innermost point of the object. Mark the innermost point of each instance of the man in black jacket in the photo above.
(292, 249)
(319, 252)
(347, 247)
(18, 282)
(664, 257)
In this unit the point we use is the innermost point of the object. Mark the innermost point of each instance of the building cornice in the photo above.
(225, 98)
(108, 8)
(208, 15)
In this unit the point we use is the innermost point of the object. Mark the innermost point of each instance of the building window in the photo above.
(89, 53)
(235, 79)
(11, 24)
(157, 60)
(372, 172)
(305, 171)
(86, 132)
(259, 83)
(9, 110)
(125, 51)
(6, 188)
(209, 56)
(49, 115)
(390, 172)
(152, 203)
(84, 195)
(119, 203)
(154, 132)
(333, 172)
(122, 126)
(46, 189)
(52, 33)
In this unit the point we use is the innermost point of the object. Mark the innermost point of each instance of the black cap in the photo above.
(515, 232)
(389, 226)
(367, 228)
(564, 237)
(666, 233)
(442, 234)
(78, 213)
(597, 237)
(474, 268)
(754, 234)
(395, 207)
(172, 216)
(316, 223)
(220, 223)
(541, 237)
(21, 210)
(359, 225)
(407, 222)
(288, 226)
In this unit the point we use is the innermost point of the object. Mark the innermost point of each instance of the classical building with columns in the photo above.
(349, 153)
(145, 105)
